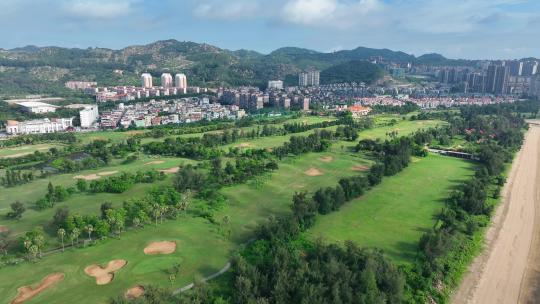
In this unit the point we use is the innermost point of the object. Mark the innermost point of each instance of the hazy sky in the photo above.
(478, 29)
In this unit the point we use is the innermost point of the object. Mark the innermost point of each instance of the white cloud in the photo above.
(99, 9)
(230, 10)
(333, 13)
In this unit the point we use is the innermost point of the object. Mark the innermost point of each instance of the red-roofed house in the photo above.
(359, 111)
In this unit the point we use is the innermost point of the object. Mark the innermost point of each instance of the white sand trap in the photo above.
(134, 292)
(170, 170)
(244, 145)
(104, 275)
(89, 177)
(155, 162)
(326, 159)
(107, 173)
(164, 247)
(360, 168)
(26, 293)
(313, 172)
(4, 229)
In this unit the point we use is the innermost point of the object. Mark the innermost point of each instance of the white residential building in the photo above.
(89, 116)
(180, 81)
(166, 80)
(146, 80)
(37, 107)
(309, 79)
(275, 84)
(38, 126)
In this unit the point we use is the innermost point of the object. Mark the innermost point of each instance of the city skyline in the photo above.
(477, 29)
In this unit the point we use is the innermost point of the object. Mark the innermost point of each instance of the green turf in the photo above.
(395, 214)
(19, 151)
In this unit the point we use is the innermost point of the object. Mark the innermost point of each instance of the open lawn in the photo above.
(394, 215)
(18, 151)
(106, 135)
(402, 127)
(200, 252)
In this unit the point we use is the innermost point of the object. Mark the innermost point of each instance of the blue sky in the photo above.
(478, 29)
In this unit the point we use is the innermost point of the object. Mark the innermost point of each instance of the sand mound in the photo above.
(4, 229)
(106, 173)
(360, 168)
(134, 292)
(244, 145)
(26, 293)
(164, 247)
(326, 159)
(156, 162)
(170, 170)
(87, 177)
(313, 172)
(105, 275)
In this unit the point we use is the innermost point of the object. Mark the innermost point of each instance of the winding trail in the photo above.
(508, 271)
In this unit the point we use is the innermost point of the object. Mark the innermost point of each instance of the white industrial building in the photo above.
(37, 107)
(89, 116)
(146, 80)
(38, 126)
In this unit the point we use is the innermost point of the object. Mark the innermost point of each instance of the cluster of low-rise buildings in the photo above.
(252, 99)
(39, 126)
(161, 112)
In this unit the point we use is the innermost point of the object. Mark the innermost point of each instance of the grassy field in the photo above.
(19, 151)
(202, 248)
(395, 214)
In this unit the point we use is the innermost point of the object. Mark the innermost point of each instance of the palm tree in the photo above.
(156, 211)
(89, 229)
(75, 235)
(225, 222)
(61, 234)
(33, 251)
(27, 245)
(136, 222)
(162, 211)
(39, 241)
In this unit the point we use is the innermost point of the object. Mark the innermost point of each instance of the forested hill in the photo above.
(44, 69)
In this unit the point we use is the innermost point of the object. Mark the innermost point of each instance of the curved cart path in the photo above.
(507, 270)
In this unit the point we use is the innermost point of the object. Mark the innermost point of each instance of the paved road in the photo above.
(506, 271)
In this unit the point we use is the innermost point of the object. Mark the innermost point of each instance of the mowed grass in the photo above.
(18, 151)
(394, 215)
(88, 137)
(200, 251)
(402, 127)
(251, 203)
(78, 203)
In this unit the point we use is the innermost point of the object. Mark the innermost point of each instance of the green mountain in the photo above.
(42, 70)
(352, 71)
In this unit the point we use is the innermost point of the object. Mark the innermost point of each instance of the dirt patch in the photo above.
(155, 162)
(26, 293)
(164, 247)
(313, 172)
(170, 170)
(326, 159)
(4, 229)
(134, 292)
(104, 275)
(17, 155)
(87, 177)
(107, 173)
(134, 132)
(244, 145)
(360, 168)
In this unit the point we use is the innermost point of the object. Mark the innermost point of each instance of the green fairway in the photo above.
(106, 135)
(251, 203)
(200, 252)
(402, 127)
(394, 215)
(18, 151)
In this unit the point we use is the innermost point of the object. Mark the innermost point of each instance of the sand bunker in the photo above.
(313, 172)
(136, 132)
(106, 173)
(26, 293)
(244, 145)
(164, 247)
(156, 162)
(170, 170)
(326, 159)
(134, 292)
(4, 229)
(94, 176)
(105, 275)
(360, 168)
